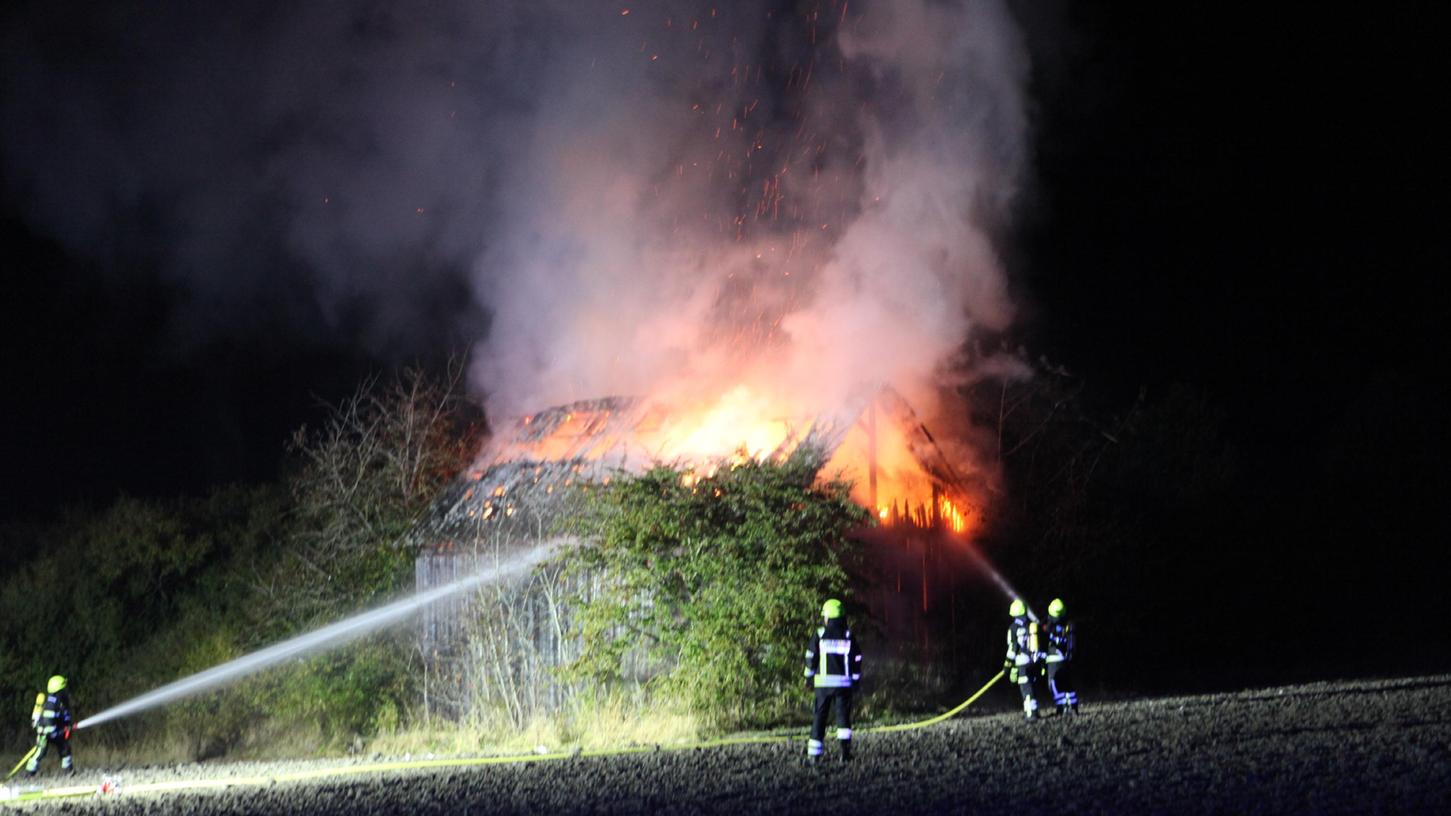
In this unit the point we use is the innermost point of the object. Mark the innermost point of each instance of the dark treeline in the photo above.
(1195, 561)
(127, 597)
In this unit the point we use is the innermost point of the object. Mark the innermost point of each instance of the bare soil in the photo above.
(1348, 747)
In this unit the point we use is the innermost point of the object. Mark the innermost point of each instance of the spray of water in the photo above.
(996, 577)
(317, 641)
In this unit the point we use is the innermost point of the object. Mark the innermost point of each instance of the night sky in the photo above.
(1243, 201)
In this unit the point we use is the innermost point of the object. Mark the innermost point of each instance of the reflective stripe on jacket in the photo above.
(1060, 639)
(833, 659)
(54, 714)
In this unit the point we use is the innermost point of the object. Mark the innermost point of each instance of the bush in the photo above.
(719, 577)
(129, 597)
(118, 600)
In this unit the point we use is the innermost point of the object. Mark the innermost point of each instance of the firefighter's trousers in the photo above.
(43, 741)
(1025, 668)
(826, 700)
(1056, 671)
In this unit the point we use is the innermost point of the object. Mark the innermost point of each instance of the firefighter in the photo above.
(52, 721)
(1023, 655)
(833, 669)
(1059, 631)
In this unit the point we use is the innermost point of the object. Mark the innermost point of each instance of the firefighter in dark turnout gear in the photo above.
(1023, 655)
(833, 669)
(1059, 632)
(52, 721)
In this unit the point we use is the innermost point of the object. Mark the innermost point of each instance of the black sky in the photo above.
(1245, 201)
(1250, 203)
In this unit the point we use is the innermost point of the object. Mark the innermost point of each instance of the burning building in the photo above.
(514, 497)
(775, 224)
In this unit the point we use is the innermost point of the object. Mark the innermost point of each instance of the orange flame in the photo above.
(876, 453)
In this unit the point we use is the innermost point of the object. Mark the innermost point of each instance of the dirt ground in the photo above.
(1350, 747)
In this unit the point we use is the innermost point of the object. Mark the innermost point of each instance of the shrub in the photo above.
(716, 578)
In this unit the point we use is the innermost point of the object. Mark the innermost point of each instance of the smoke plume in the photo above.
(790, 202)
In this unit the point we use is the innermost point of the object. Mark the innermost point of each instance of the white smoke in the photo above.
(707, 203)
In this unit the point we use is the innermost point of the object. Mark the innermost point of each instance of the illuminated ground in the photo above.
(1356, 747)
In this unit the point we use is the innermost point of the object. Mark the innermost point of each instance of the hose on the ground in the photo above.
(464, 762)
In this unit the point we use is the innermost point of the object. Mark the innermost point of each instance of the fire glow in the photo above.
(889, 461)
(797, 231)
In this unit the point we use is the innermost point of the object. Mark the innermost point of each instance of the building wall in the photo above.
(498, 652)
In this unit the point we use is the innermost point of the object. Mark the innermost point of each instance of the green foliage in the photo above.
(345, 692)
(719, 579)
(140, 593)
(140, 579)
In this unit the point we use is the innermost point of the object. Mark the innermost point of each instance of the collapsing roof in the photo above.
(514, 490)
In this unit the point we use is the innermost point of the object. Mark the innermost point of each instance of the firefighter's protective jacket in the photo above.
(832, 658)
(52, 713)
(1023, 647)
(1060, 638)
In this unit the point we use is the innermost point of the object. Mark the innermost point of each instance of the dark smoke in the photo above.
(331, 164)
(653, 197)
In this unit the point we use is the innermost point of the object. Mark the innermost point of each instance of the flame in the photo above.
(737, 423)
(879, 453)
(903, 491)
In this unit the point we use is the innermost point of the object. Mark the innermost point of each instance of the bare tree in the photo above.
(363, 479)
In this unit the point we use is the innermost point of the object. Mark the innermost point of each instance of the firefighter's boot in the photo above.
(1070, 702)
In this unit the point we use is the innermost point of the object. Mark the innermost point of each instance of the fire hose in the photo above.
(23, 760)
(465, 762)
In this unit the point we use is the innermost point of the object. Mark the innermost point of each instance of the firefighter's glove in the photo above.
(1013, 674)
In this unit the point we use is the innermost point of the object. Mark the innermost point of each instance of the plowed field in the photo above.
(1352, 747)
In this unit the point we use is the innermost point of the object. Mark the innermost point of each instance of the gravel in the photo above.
(1348, 747)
